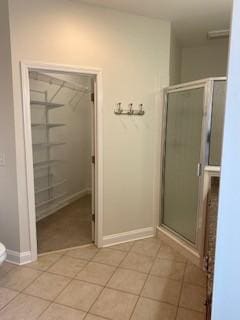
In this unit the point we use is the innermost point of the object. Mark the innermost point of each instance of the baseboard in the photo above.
(65, 202)
(184, 249)
(128, 236)
(77, 195)
(18, 258)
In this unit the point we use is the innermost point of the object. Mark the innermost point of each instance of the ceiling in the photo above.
(191, 19)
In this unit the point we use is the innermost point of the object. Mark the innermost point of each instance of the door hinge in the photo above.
(93, 159)
(199, 169)
(92, 96)
(206, 263)
(209, 137)
(93, 217)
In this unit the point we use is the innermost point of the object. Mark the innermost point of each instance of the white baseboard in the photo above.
(65, 201)
(128, 236)
(77, 195)
(179, 245)
(18, 258)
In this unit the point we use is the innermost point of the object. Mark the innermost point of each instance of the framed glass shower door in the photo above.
(182, 161)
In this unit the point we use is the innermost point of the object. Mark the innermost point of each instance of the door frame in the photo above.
(26, 66)
(208, 84)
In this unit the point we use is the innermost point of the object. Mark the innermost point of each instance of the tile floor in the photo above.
(67, 227)
(141, 280)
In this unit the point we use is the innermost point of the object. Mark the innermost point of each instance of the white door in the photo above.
(93, 99)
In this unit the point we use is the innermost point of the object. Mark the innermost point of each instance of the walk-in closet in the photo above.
(62, 115)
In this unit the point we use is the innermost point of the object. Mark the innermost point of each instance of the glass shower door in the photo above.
(182, 154)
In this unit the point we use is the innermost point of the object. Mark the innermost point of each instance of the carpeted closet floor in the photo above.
(68, 227)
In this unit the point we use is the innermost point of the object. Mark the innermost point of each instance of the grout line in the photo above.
(92, 314)
(74, 279)
(194, 285)
(52, 303)
(148, 274)
(3, 307)
(80, 258)
(43, 270)
(200, 313)
(64, 251)
(181, 290)
(22, 290)
(147, 277)
(106, 284)
(49, 303)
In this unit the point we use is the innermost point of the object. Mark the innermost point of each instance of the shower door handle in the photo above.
(199, 169)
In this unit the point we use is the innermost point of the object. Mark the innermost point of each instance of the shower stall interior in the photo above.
(192, 140)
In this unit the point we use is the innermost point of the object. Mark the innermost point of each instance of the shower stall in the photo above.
(193, 119)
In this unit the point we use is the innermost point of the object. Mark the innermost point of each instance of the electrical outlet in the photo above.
(2, 160)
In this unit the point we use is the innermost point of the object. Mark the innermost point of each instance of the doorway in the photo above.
(62, 151)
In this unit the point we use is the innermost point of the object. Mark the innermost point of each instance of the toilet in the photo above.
(3, 253)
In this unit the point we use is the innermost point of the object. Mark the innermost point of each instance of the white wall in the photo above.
(175, 60)
(226, 291)
(76, 134)
(133, 53)
(9, 224)
(206, 61)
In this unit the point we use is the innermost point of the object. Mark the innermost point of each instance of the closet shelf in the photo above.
(49, 105)
(47, 145)
(48, 125)
(44, 176)
(46, 164)
(50, 187)
(40, 204)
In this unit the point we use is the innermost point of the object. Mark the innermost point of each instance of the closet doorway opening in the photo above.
(61, 133)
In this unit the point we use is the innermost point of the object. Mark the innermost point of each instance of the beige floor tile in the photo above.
(59, 312)
(19, 278)
(193, 297)
(92, 317)
(6, 295)
(162, 289)
(109, 256)
(127, 280)
(68, 266)
(137, 262)
(44, 262)
(23, 307)
(168, 268)
(184, 314)
(114, 305)
(5, 268)
(194, 275)
(147, 309)
(79, 295)
(47, 286)
(97, 273)
(148, 247)
(86, 253)
(166, 252)
(123, 246)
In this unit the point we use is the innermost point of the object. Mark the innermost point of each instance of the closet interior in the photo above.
(62, 111)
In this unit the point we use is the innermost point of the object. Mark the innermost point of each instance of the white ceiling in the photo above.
(191, 18)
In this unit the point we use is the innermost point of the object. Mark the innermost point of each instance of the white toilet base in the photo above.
(3, 258)
(3, 253)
